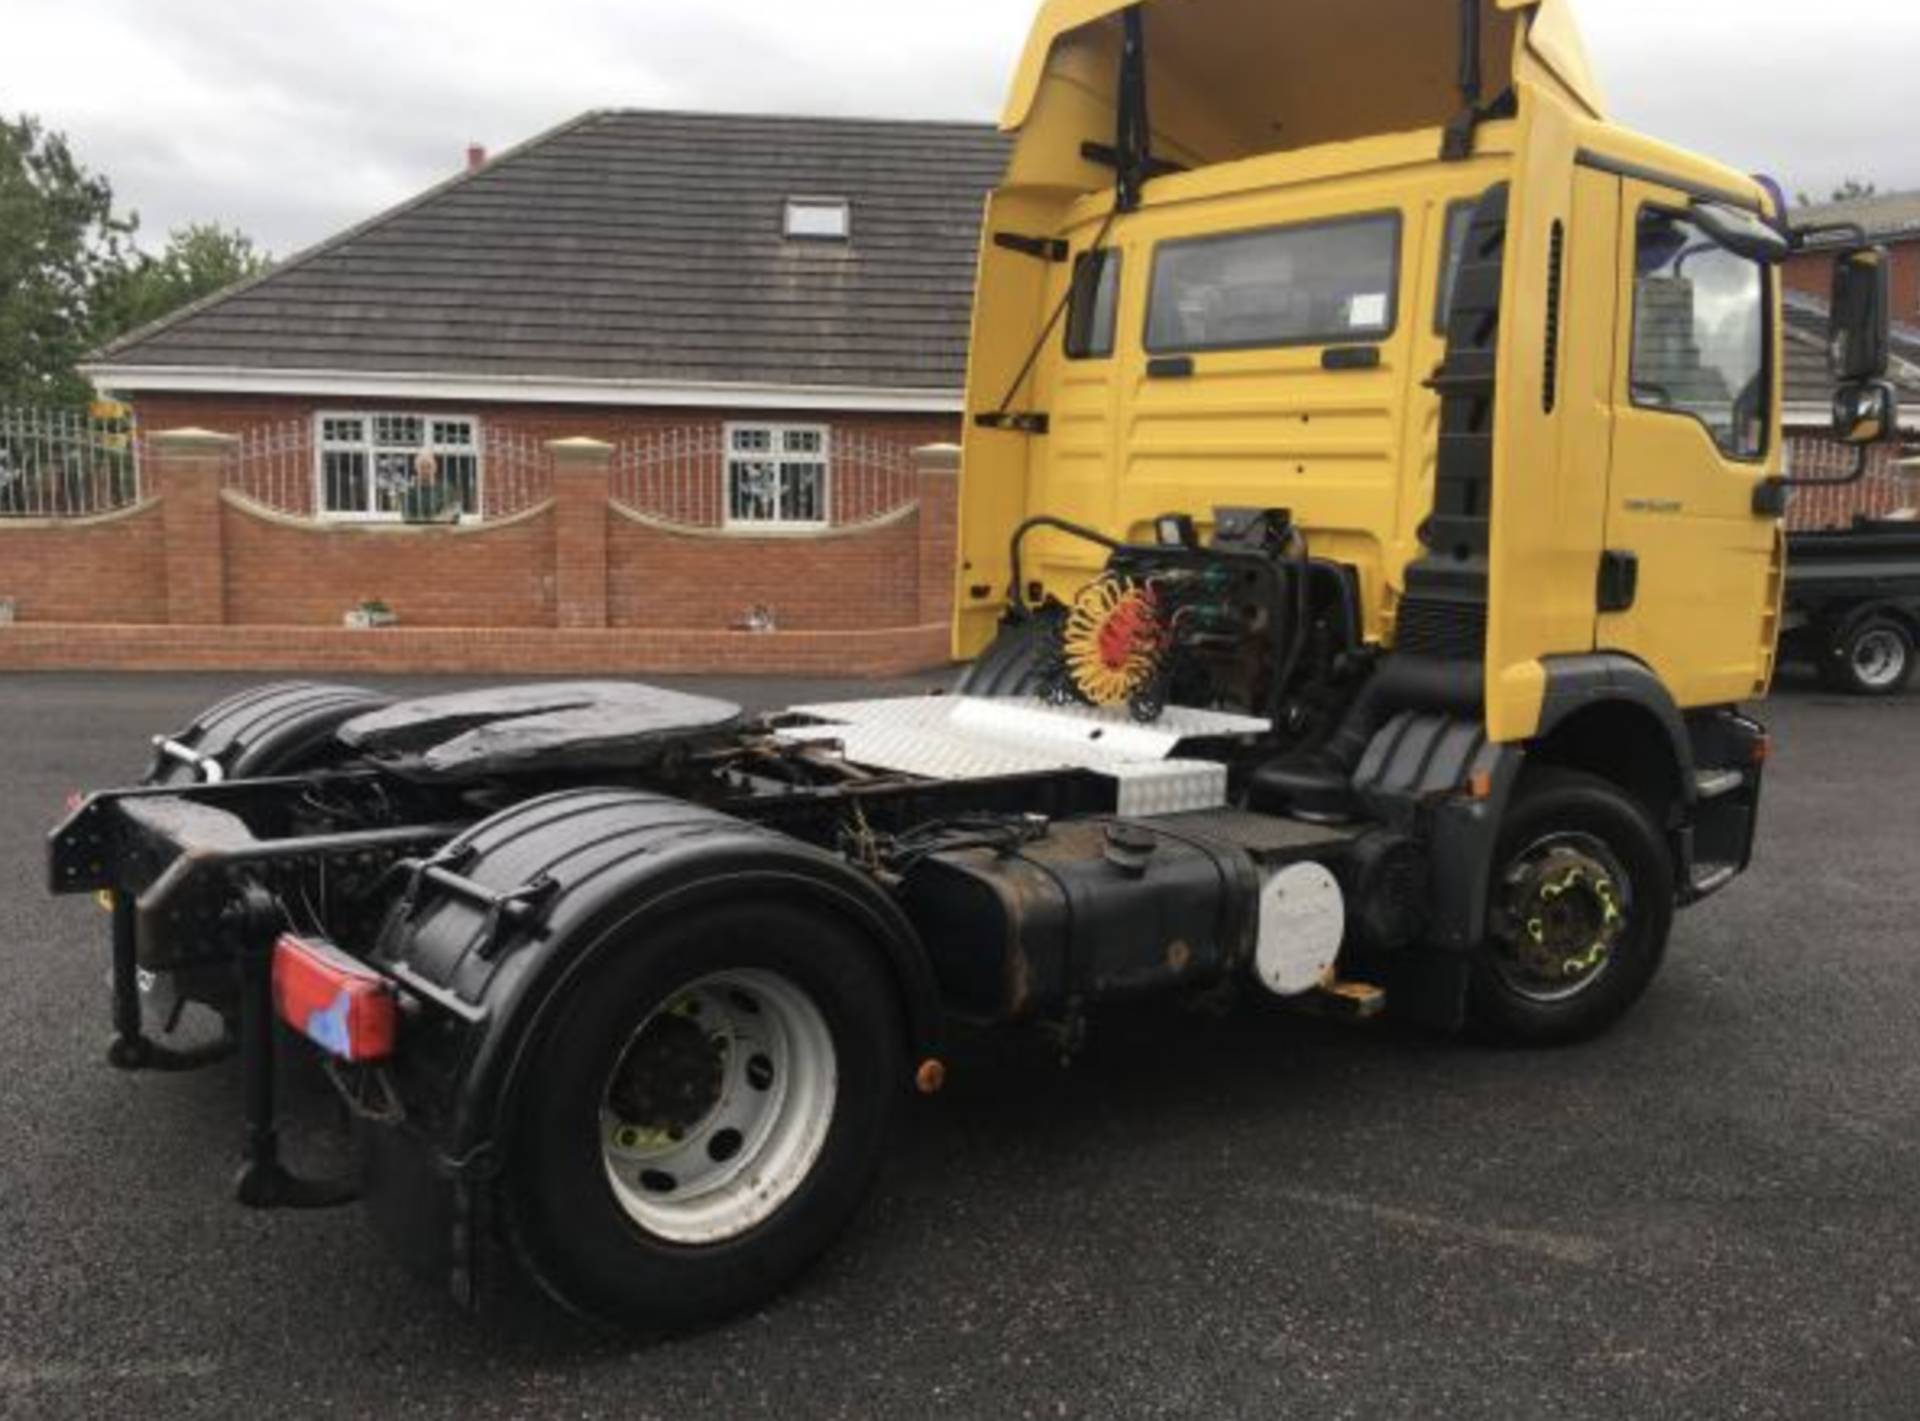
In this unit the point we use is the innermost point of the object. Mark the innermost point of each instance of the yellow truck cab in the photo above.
(1508, 369)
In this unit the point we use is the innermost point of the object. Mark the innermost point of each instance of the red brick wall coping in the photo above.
(49, 646)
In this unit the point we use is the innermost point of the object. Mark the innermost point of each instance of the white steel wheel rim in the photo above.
(1879, 659)
(718, 1107)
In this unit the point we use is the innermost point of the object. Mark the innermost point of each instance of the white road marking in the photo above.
(25, 1374)
(1561, 1248)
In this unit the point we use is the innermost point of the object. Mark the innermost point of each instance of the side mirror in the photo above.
(1867, 413)
(1862, 316)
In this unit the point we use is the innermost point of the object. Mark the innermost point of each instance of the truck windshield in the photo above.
(1700, 333)
(1313, 285)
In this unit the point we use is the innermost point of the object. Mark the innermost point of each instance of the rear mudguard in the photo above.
(267, 730)
(496, 929)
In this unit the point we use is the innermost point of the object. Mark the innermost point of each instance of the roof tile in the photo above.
(637, 245)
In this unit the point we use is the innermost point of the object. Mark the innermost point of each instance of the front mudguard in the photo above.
(1439, 778)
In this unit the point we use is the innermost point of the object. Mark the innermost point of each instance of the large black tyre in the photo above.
(606, 1070)
(1872, 657)
(280, 729)
(1582, 907)
(1019, 661)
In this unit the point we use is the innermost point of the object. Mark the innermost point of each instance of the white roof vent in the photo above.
(819, 219)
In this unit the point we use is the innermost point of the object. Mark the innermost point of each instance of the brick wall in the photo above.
(834, 583)
(232, 414)
(282, 574)
(574, 584)
(655, 578)
(1882, 492)
(1812, 273)
(109, 569)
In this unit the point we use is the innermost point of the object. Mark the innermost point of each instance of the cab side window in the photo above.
(1452, 252)
(1700, 323)
(1094, 310)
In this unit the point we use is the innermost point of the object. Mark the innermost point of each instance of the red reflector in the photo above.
(343, 1006)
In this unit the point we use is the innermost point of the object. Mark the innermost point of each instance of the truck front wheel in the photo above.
(705, 1117)
(1582, 907)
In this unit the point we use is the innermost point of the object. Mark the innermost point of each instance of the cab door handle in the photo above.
(1619, 581)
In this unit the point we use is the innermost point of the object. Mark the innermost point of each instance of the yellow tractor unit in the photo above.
(1370, 530)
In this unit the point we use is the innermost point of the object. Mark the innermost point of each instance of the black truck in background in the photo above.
(1853, 604)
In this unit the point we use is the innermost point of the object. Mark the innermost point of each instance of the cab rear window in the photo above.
(1093, 312)
(1325, 284)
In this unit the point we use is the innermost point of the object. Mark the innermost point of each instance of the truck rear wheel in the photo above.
(1874, 657)
(705, 1116)
(1582, 907)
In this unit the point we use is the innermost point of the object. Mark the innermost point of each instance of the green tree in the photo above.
(1851, 190)
(61, 244)
(199, 260)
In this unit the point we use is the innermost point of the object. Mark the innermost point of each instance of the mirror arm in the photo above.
(1770, 495)
(1862, 461)
(1852, 231)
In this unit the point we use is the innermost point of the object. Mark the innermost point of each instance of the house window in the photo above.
(777, 475)
(398, 467)
(819, 219)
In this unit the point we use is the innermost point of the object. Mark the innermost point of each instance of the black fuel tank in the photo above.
(1097, 909)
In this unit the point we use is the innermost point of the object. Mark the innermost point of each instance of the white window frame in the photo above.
(799, 223)
(777, 455)
(372, 449)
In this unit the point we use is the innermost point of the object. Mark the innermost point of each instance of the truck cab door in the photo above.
(1690, 577)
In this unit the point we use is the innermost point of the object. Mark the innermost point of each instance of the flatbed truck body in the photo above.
(1853, 604)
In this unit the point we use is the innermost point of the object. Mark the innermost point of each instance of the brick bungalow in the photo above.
(742, 327)
(1893, 221)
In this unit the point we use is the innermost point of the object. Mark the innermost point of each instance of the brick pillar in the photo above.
(937, 474)
(184, 472)
(582, 469)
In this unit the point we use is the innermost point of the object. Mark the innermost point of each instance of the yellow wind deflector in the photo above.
(1234, 78)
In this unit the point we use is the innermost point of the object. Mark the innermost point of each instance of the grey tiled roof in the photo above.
(637, 246)
(1893, 215)
(1810, 387)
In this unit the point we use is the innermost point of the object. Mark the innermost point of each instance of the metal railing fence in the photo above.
(65, 464)
(693, 477)
(280, 467)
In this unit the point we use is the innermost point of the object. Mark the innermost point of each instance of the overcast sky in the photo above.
(293, 120)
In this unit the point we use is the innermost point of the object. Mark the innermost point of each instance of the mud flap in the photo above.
(433, 1221)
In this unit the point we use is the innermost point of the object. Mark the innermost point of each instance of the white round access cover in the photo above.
(1303, 920)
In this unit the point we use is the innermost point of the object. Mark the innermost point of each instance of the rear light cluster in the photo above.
(338, 1003)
